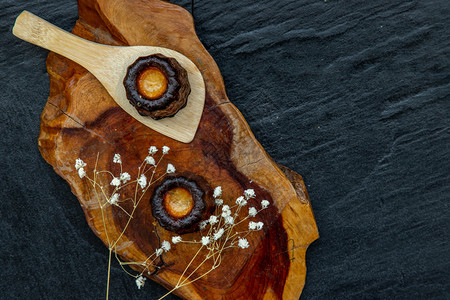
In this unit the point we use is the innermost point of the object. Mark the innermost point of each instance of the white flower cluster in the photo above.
(124, 177)
(79, 166)
(117, 159)
(170, 169)
(255, 225)
(223, 221)
(140, 281)
(152, 150)
(114, 200)
(243, 243)
(217, 193)
(165, 247)
(176, 239)
(150, 160)
(142, 181)
(165, 149)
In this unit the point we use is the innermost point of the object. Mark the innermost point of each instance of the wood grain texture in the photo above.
(80, 120)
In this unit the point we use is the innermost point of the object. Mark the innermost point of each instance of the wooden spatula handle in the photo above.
(35, 30)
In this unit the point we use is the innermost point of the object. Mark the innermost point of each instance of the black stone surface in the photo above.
(353, 95)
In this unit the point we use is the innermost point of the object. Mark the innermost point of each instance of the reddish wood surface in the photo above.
(80, 120)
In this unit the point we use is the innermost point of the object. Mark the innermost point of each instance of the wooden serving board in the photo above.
(80, 120)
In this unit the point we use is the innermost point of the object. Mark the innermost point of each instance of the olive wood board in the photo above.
(81, 120)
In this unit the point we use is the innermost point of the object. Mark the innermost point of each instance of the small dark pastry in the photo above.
(180, 203)
(157, 86)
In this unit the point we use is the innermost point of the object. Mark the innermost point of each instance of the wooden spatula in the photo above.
(109, 65)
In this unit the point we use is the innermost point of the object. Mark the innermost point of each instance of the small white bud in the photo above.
(159, 251)
(117, 159)
(229, 220)
(124, 177)
(165, 149)
(250, 193)
(152, 150)
(142, 181)
(203, 224)
(176, 239)
(264, 204)
(81, 172)
(170, 169)
(165, 245)
(218, 202)
(205, 240)
(252, 211)
(217, 192)
(115, 181)
(150, 160)
(259, 225)
(114, 199)
(241, 201)
(226, 211)
(218, 234)
(79, 163)
(213, 220)
(243, 243)
(140, 281)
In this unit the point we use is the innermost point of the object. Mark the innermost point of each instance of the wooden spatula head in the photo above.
(109, 65)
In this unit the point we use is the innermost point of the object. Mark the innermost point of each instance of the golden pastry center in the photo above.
(178, 202)
(152, 83)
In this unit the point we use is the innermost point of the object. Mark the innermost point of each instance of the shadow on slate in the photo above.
(353, 95)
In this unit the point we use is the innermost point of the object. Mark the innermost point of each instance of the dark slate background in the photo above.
(353, 95)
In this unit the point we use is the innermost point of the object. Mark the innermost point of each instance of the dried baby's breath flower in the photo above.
(264, 204)
(250, 193)
(81, 172)
(140, 281)
(259, 225)
(150, 160)
(218, 234)
(243, 243)
(241, 201)
(165, 245)
(159, 251)
(165, 149)
(79, 163)
(142, 181)
(252, 225)
(205, 240)
(115, 181)
(252, 211)
(217, 192)
(170, 169)
(226, 211)
(152, 150)
(218, 202)
(117, 159)
(114, 199)
(229, 220)
(124, 177)
(213, 220)
(176, 239)
(203, 224)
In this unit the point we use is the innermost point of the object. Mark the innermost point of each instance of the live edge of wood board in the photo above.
(80, 120)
